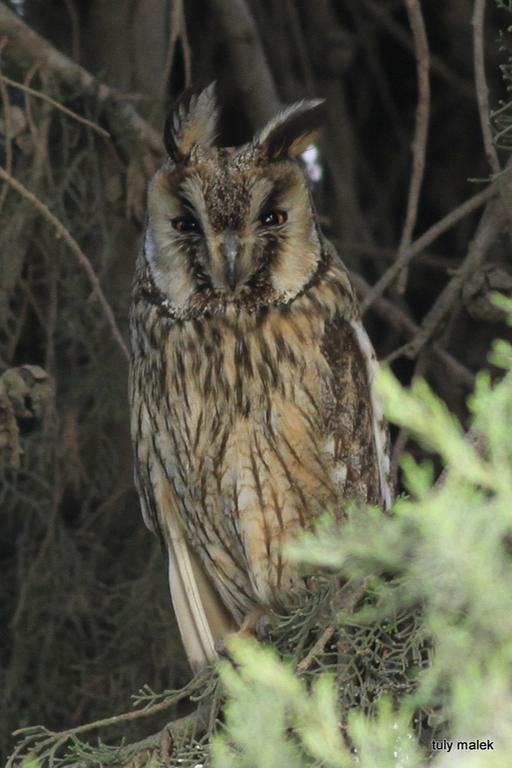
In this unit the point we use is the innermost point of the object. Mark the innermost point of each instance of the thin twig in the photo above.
(187, 52)
(419, 145)
(124, 717)
(26, 45)
(56, 104)
(75, 28)
(401, 322)
(8, 138)
(45, 743)
(488, 230)
(75, 248)
(164, 701)
(344, 602)
(435, 231)
(384, 14)
(178, 31)
(482, 91)
(299, 43)
(315, 650)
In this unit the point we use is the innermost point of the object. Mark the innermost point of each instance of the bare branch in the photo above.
(26, 46)
(56, 104)
(402, 323)
(250, 67)
(6, 104)
(419, 144)
(490, 226)
(384, 15)
(80, 255)
(435, 231)
(178, 30)
(482, 91)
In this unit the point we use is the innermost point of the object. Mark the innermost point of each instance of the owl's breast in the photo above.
(230, 383)
(246, 406)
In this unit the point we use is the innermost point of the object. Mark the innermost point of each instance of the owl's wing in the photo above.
(201, 617)
(379, 427)
(359, 427)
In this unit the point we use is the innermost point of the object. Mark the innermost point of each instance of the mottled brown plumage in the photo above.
(251, 380)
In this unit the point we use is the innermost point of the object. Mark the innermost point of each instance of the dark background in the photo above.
(86, 618)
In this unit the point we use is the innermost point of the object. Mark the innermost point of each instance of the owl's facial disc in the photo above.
(228, 228)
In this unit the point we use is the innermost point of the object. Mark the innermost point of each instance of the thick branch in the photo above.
(27, 47)
(40, 95)
(250, 67)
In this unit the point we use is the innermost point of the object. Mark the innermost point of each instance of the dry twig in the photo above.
(316, 650)
(178, 31)
(7, 133)
(490, 226)
(402, 323)
(384, 14)
(26, 46)
(435, 231)
(75, 248)
(419, 144)
(482, 91)
(56, 104)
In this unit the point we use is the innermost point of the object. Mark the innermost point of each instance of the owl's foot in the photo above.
(256, 625)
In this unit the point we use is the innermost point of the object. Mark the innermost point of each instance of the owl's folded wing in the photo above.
(201, 617)
(380, 432)
(354, 367)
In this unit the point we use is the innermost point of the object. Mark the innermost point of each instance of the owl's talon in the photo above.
(263, 628)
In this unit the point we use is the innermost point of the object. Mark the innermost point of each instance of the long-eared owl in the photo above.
(253, 410)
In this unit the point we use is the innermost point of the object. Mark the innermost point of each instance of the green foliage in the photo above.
(446, 549)
(271, 705)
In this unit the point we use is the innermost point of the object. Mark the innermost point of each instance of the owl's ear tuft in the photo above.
(192, 120)
(291, 131)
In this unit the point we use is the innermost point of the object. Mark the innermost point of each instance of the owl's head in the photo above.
(232, 225)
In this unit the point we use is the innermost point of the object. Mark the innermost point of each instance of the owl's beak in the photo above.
(230, 250)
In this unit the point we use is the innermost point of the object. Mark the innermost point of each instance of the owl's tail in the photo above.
(202, 618)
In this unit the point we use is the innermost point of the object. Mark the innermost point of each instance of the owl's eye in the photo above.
(185, 224)
(273, 218)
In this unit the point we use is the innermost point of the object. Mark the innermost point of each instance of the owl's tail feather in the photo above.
(202, 619)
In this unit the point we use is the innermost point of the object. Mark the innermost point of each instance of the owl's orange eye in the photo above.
(185, 224)
(273, 218)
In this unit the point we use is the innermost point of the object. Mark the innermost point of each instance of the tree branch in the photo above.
(402, 323)
(250, 67)
(435, 231)
(491, 224)
(40, 95)
(419, 144)
(482, 92)
(26, 46)
(75, 248)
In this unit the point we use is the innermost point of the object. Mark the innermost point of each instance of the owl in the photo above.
(251, 385)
